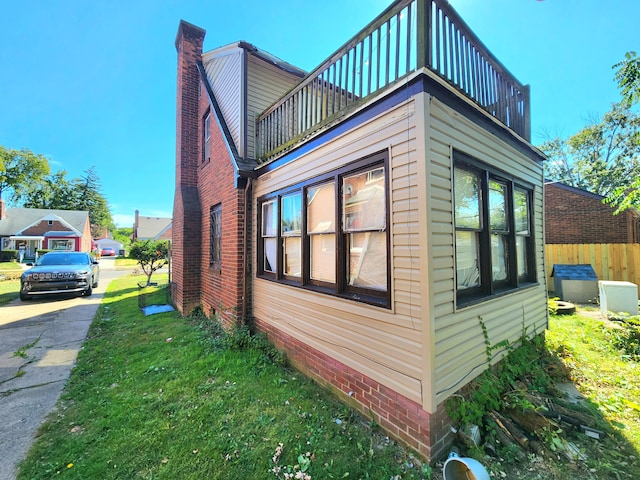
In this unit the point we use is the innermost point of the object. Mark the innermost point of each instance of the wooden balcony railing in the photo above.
(409, 35)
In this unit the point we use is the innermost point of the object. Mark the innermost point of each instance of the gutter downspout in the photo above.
(245, 250)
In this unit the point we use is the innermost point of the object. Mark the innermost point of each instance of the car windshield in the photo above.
(62, 259)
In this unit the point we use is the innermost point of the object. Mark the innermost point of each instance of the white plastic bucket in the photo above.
(462, 468)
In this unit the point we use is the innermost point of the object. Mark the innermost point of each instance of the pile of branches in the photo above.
(533, 423)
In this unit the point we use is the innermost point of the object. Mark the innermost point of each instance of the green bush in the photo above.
(8, 255)
(627, 337)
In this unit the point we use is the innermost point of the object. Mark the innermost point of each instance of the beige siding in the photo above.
(383, 344)
(459, 343)
(265, 85)
(423, 347)
(224, 74)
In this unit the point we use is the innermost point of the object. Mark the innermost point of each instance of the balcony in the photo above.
(409, 36)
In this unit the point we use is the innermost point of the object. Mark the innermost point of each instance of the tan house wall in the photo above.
(224, 71)
(265, 85)
(423, 347)
(459, 347)
(383, 344)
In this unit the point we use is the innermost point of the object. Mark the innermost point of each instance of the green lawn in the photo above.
(165, 397)
(9, 284)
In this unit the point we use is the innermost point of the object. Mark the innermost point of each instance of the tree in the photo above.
(55, 191)
(151, 255)
(628, 77)
(20, 168)
(123, 235)
(51, 192)
(87, 195)
(600, 158)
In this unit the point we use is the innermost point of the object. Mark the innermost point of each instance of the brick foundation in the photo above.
(404, 420)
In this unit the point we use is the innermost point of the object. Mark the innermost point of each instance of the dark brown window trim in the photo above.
(489, 288)
(340, 289)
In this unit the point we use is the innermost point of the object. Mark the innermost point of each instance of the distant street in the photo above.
(39, 342)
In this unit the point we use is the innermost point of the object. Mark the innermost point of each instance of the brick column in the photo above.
(187, 231)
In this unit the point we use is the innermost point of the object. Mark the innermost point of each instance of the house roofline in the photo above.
(255, 51)
(576, 190)
(237, 161)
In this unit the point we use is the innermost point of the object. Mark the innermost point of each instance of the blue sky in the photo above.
(92, 82)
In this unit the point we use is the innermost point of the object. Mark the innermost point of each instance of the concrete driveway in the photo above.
(39, 343)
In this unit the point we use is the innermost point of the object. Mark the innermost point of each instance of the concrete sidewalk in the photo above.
(40, 343)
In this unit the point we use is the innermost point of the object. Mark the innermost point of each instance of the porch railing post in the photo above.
(424, 37)
(526, 130)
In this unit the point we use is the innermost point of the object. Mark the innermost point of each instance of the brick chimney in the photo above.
(2, 213)
(135, 226)
(187, 212)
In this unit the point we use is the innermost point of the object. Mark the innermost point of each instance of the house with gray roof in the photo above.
(151, 228)
(32, 229)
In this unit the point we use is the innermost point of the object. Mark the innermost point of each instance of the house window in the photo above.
(215, 230)
(66, 245)
(330, 234)
(321, 230)
(494, 242)
(269, 233)
(206, 137)
(290, 226)
(50, 222)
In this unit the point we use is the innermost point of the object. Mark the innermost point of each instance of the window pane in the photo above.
(321, 209)
(467, 199)
(323, 257)
(215, 221)
(367, 260)
(269, 219)
(498, 257)
(270, 254)
(363, 197)
(291, 256)
(498, 206)
(521, 211)
(467, 265)
(521, 253)
(291, 214)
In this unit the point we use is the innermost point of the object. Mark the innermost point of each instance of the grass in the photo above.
(584, 350)
(168, 397)
(165, 397)
(605, 375)
(10, 285)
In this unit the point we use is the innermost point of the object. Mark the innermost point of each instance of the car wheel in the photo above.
(88, 291)
(24, 297)
(95, 284)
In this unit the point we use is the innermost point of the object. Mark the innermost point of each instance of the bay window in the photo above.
(331, 234)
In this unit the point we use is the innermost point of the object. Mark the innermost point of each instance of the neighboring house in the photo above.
(371, 217)
(33, 229)
(575, 216)
(151, 228)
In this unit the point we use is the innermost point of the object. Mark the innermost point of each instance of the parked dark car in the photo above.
(60, 272)
(108, 252)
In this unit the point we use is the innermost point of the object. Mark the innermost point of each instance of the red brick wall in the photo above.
(575, 216)
(186, 231)
(403, 419)
(222, 286)
(200, 186)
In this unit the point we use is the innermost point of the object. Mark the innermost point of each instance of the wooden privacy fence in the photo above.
(611, 261)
